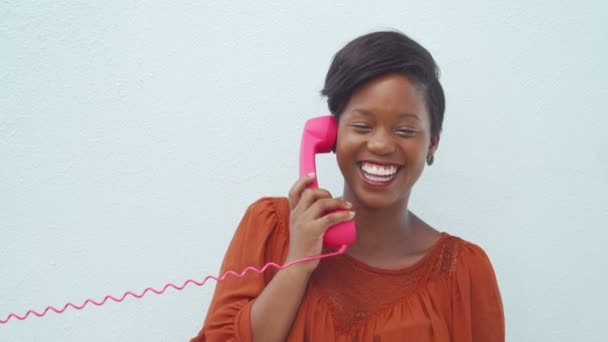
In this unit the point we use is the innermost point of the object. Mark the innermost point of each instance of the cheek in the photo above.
(346, 149)
(415, 152)
(419, 152)
(342, 144)
(342, 155)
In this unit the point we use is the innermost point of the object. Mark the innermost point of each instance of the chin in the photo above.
(377, 196)
(376, 201)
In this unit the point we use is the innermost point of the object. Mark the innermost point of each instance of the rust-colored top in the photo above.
(451, 294)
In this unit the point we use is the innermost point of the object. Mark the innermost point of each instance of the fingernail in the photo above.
(348, 204)
(312, 175)
(351, 214)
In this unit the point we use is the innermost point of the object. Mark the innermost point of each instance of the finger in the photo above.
(298, 187)
(326, 205)
(333, 218)
(309, 197)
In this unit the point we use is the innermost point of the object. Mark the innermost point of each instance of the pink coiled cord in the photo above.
(179, 288)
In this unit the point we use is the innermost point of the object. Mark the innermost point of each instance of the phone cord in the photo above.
(167, 286)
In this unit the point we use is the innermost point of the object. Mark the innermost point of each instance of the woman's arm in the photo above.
(253, 307)
(259, 236)
(478, 314)
(274, 311)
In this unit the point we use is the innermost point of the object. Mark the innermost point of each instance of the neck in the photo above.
(380, 229)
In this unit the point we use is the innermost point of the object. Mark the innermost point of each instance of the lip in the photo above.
(383, 163)
(374, 184)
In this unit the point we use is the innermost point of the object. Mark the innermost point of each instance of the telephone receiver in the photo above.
(320, 136)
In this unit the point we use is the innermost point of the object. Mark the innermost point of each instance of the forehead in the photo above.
(389, 94)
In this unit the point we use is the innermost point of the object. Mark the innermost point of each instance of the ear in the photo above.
(434, 145)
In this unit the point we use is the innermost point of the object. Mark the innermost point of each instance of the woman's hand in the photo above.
(308, 221)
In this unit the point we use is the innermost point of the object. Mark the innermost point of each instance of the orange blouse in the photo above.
(451, 294)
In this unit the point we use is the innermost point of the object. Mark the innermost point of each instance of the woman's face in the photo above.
(384, 138)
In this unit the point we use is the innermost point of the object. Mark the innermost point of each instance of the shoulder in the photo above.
(265, 224)
(474, 255)
(458, 255)
(475, 299)
(466, 261)
(269, 207)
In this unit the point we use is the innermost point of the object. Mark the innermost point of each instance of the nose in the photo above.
(381, 143)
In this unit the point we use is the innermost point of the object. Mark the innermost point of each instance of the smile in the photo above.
(378, 174)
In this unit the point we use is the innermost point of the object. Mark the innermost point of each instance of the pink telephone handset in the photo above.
(319, 136)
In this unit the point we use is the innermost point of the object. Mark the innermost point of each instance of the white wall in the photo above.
(133, 135)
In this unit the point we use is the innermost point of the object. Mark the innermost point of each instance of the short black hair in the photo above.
(379, 53)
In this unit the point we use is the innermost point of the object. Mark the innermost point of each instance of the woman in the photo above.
(402, 280)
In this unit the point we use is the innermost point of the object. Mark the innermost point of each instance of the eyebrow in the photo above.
(401, 115)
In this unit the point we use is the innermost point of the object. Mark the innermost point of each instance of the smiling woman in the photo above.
(385, 127)
(401, 280)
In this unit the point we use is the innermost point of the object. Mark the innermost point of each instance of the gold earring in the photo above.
(430, 159)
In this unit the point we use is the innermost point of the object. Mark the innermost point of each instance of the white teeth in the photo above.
(376, 179)
(378, 170)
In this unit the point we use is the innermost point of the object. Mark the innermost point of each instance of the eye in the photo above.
(406, 132)
(361, 127)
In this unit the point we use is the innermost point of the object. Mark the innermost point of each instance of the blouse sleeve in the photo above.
(476, 301)
(258, 239)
